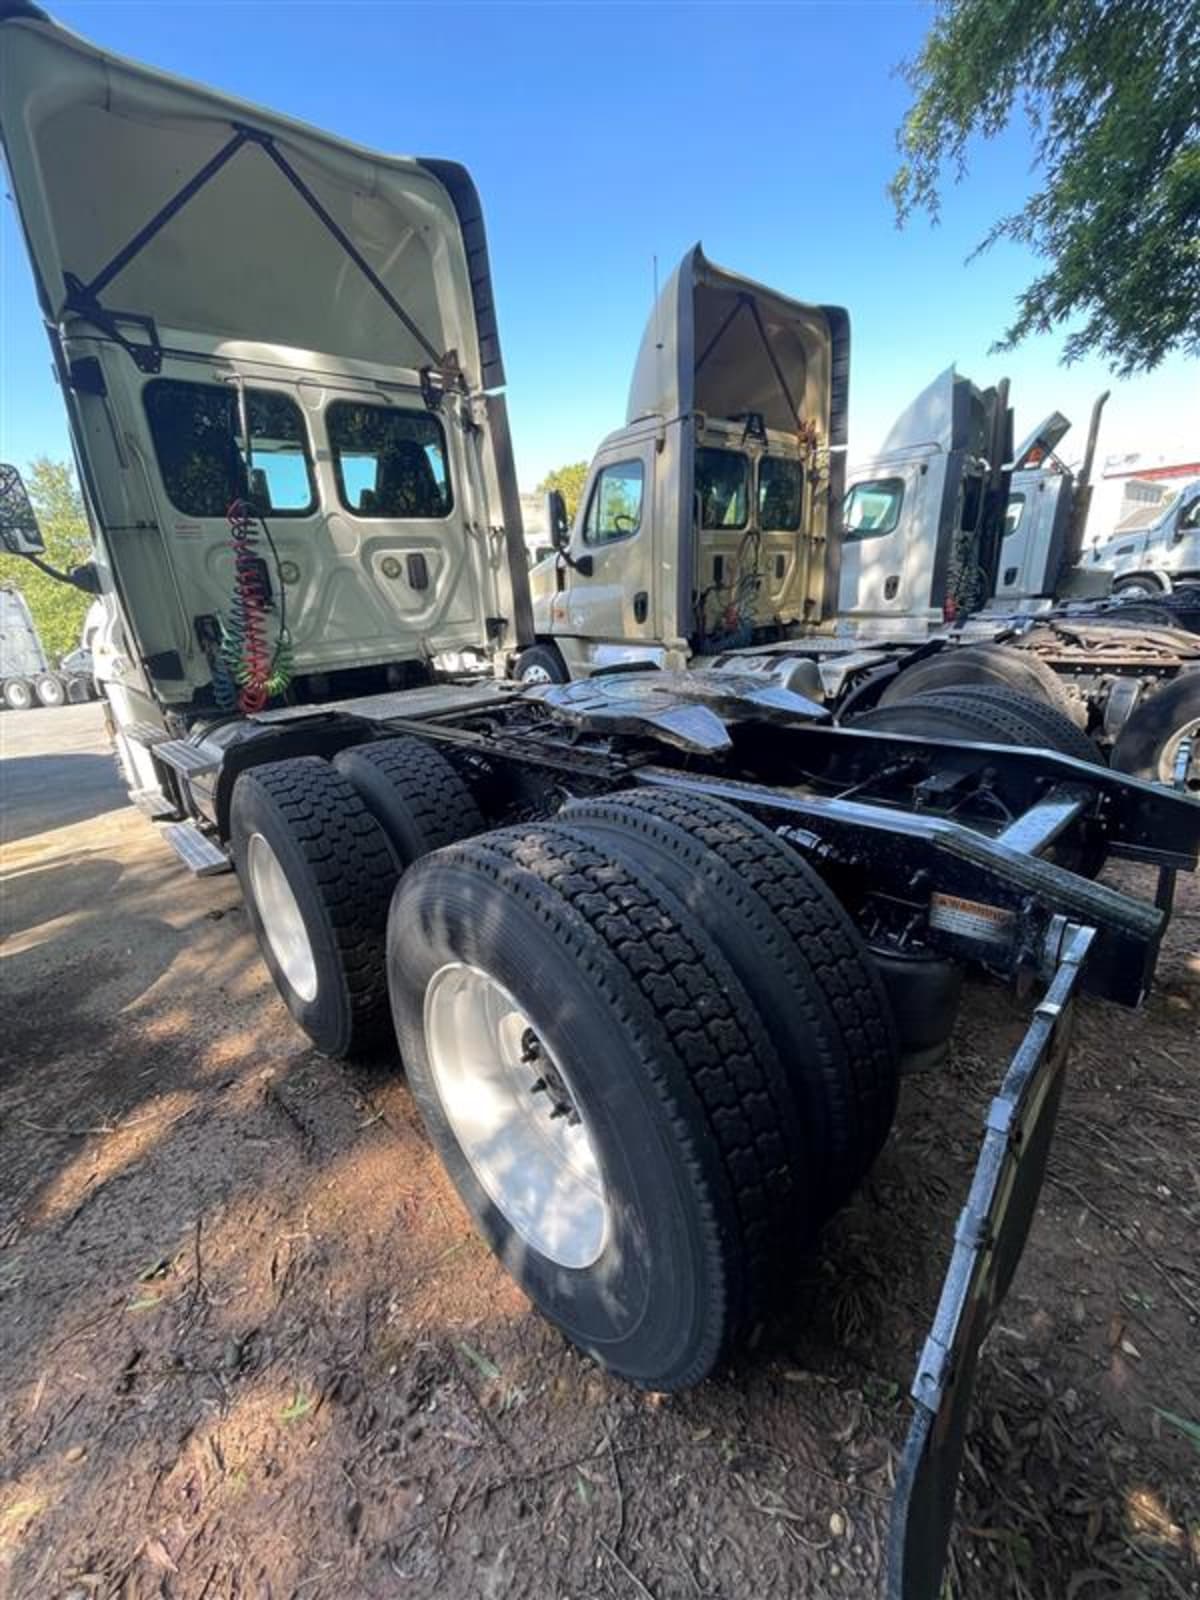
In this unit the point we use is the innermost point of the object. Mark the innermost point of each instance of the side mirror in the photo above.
(558, 524)
(86, 578)
(19, 531)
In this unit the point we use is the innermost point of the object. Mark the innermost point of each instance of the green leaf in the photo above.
(487, 1369)
(1190, 1430)
(144, 1303)
(300, 1406)
(1108, 91)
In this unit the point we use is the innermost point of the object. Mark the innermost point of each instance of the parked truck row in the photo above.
(655, 945)
(710, 535)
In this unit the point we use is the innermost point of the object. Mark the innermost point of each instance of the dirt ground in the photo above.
(250, 1346)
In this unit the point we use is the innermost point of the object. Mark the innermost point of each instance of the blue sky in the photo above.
(600, 135)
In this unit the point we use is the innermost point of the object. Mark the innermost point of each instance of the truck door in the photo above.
(612, 598)
(1034, 528)
(1182, 557)
(882, 520)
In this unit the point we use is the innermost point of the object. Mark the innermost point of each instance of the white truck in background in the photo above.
(27, 675)
(1161, 555)
(908, 518)
(740, 540)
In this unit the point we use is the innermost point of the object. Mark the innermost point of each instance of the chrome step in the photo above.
(153, 803)
(145, 733)
(196, 850)
(183, 757)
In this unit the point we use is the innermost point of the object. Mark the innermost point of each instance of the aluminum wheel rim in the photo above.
(536, 675)
(515, 1116)
(281, 919)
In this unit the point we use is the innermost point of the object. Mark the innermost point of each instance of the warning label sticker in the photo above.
(970, 919)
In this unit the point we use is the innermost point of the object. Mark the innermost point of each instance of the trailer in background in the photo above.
(27, 676)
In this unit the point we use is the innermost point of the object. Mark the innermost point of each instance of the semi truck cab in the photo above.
(1154, 559)
(707, 522)
(280, 360)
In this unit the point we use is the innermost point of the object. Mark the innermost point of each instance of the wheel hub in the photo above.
(517, 1120)
(281, 919)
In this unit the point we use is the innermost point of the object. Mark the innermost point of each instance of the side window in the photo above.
(615, 508)
(1014, 513)
(872, 508)
(1189, 517)
(721, 483)
(197, 440)
(388, 462)
(780, 494)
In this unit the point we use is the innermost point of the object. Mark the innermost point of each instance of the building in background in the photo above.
(1133, 487)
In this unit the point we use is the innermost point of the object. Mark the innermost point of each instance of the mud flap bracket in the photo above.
(988, 1240)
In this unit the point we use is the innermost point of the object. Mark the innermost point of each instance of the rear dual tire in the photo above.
(990, 714)
(1149, 743)
(985, 665)
(640, 1012)
(18, 694)
(50, 690)
(319, 848)
(317, 875)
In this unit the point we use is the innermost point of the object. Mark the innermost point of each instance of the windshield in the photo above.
(780, 494)
(722, 478)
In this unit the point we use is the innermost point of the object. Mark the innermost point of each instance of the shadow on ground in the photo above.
(251, 1346)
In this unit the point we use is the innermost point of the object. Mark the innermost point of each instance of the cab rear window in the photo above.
(722, 483)
(780, 494)
(201, 453)
(388, 462)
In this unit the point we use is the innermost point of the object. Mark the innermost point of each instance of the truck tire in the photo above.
(1149, 742)
(541, 663)
(50, 689)
(18, 694)
(1056, 729)
(414, 794)
(1001, 666)
(990, 715)
(79, 691)
(317, 874)
(797, 954)
(1139, 586)
(564, 1019)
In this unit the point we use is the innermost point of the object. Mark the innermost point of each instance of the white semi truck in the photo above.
(1159, 557)
(654, 947)
(27, 675)
(710, 533)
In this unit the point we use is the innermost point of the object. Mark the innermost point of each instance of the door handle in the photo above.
(641, 606)
(891, 585)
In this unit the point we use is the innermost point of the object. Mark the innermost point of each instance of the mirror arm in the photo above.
(75, 579)
(581, 564)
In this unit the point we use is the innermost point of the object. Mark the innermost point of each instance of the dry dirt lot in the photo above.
(250, 1346)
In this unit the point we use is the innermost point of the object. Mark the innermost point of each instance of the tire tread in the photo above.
(351, 862)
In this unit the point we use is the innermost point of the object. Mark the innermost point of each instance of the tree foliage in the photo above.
(1112, 92)
(570, 482)
(58, 610)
